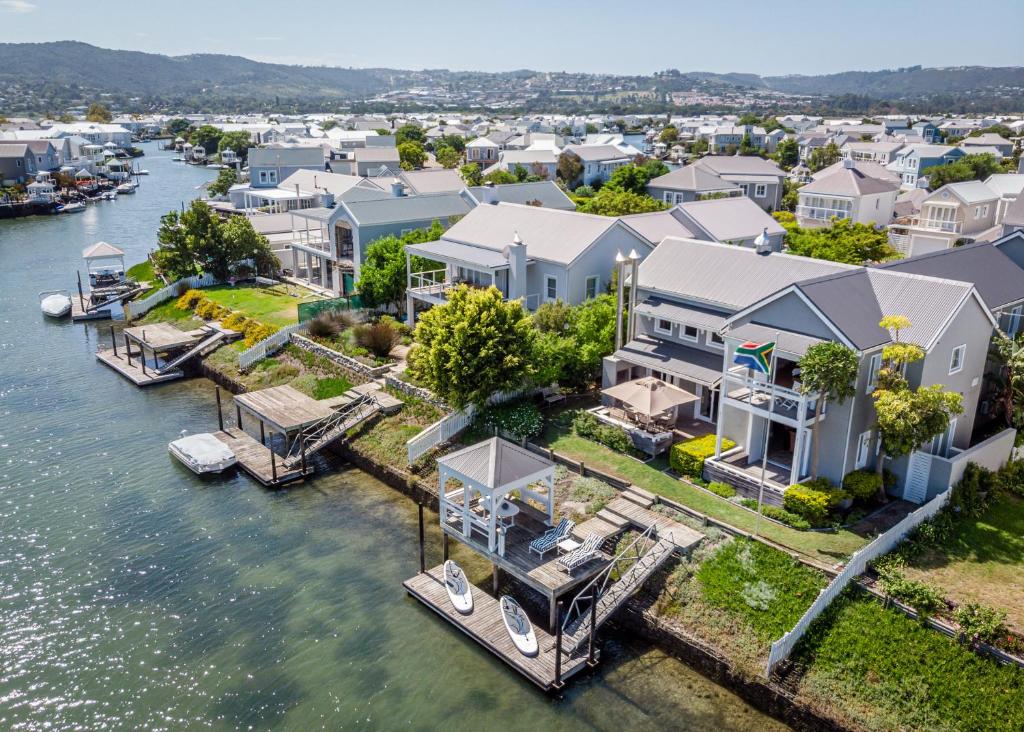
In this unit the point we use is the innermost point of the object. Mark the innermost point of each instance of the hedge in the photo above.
(687, 457)
(862, 484)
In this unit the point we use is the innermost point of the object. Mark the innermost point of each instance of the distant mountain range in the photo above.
(69, 72)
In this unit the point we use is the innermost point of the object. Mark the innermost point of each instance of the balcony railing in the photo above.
(954, 227)
(314, 239)
(821, 214)
(900, 242)
(762, 396)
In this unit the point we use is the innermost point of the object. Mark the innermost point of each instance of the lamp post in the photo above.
(620, 276)
(634, 259)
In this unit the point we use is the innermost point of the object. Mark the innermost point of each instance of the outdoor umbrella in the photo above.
(649, 396)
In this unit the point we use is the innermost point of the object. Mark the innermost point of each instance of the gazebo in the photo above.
(99, 258)
(488, 472)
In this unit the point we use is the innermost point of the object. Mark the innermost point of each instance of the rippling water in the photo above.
(134, 595)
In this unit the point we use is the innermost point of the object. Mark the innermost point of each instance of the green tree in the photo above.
(699, 146)
(383, 131)
(241, 241)
(829, 369)
(747, 146)
(570, 168)
(239, 142)
(471, 174)
(591, 129)
(823, 157)
(552, 357)
(635, 177)
(455, 142)
(790, 195)
(178, 126)
(473, 346)
(98, 113)
(669, 135)
(328, 124)
(501, 177)
(553, 317)
(969, 167)
(592, 327)
(843, 241)
(225, 179)
(175, 254)
(610, 202)
(787, 153)
(207, 137)
(410, 133)
(383, 276)
(1007, 386)
(411, 155)
(447, 157)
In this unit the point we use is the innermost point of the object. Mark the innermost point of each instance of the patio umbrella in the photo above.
(649, 396)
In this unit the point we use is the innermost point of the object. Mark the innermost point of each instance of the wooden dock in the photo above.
(79, 314)
(486, 627)
(255, 459)
(133, 371)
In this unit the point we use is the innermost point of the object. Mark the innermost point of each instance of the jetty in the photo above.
(109, 288)
(138, 357)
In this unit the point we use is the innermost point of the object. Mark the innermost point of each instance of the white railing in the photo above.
(900, 242)
(821, 214)
(952, 227)
(857, 565)
(259, 351)
(138, 308)
(428, 278)
(452, 424)
(778, 394)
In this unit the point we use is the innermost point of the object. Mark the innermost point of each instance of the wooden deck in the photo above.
(255, 459)
(133, 371)
(79, 314)
(485, 626)
(682, 537)
(283, 408)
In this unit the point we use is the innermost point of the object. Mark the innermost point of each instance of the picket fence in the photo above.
(259, 351)
(452, 424)
(139, 308)
(858, 564)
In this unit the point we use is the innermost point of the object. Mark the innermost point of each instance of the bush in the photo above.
(813, 500)
(323, 326)
(256, 332)
(722, 489)
(595, 493)
(236, 321)
(862, 485)
(778, 514)
(980, 623)
(687, 458)
(587, 425)
(205, 308)
(190, 299)
(519, 419)
(971, 495)
(379, 337)
(918, 595)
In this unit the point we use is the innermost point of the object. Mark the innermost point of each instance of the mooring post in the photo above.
(142, 358)
(494, 579)
(444, 546)
(591, 661)
(220, 414)
(113, 340)
(423, 554)
(302, 451)
(128, 348)
(558, 645)
(238, 415)
(263, 437)
(273, 464)
(81, 295)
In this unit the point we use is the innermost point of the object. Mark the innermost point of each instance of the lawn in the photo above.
(883, 671)
(142, 272)
(313, 375)
(169, 312)
(982, 562)
(274, 306)
(829, 548)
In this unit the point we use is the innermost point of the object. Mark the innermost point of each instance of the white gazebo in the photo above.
(488, 472)
(99, 259)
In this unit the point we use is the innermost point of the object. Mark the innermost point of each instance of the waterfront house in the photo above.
(759, 179)
(369, 161)
(926, 130)
(17, 163)
(983, 142)
(846, 193)
(690, 183)
(269, 166)
(957, 211)
(531, 253)
(875, 152)
(727, 138)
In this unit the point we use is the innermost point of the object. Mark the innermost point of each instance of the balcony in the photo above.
(786, 405)
(434, 286)
(817, 213)
(900, 242)
(954, 226)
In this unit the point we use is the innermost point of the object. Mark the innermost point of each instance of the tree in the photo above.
(592, 327)
(669, 135)
(830, 370)
(383, 131)
(410, 133)
(474, 345)
(822, 157)
(328, 124)
(178, 126)
(635, 177)
(207, 137)
(239, 142)
(500, 177)
(905, 417)
(787, 153)
(447, 157)
(969, 167)
(455, 142)
(383, 277)
(843, 241)
(747, 146)
(699, 146)
(175, 255)
(225, 179)
(241, 241)
(98, 113)
(610, 202)
(570, 168)
(553, 317)
(790, 195)
(471, 174)
(1007, 355)
(411, 155)
(591, 129)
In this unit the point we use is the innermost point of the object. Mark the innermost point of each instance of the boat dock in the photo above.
(131, 360)
(258, 460)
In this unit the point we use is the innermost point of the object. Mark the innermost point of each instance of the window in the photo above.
(263, 176)
(1013, 325)
(690, 333)
(551, 287)
(272, 176)
(716, 340)
(956, 359)
(760, 190)
(863, 450)
(593, 282)
(873, 366)
(743, 187)
(679, 198)
(663, 326)
(667, 197)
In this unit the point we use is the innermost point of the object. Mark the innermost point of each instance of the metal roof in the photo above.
(731, 219)
(433, 180)
(657, 225)
(447, 251)
(703, 367)
(692, 178)
(547, 192)
(849, 182)
(679, 313)
(495, 463)
(795, 344)
(407, 208)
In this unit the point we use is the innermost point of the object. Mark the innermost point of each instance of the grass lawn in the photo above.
(883, 671)
(169, 312)
(982, 562)
(272, 306)
(142, 272)
(825, 547)
(312, 375)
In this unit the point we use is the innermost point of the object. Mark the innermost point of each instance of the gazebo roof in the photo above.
(100, 250)
(496, 464)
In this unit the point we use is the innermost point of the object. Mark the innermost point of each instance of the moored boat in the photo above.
(73, 207)
(202, 453)
(55, 303)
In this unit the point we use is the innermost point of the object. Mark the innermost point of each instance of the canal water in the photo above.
(134, 595)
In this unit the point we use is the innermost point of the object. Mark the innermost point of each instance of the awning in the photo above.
(456, 253)
(692, 364)
(677, 313)
(795, 344)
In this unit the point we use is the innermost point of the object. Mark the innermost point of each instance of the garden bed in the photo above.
(312, 375)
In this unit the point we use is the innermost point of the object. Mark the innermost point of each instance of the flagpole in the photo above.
(767, 434)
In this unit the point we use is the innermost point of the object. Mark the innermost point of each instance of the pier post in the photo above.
(220, 414)
(591, 661)
(558, 645)
(263, 437)
(302, 451)
(113, 340)
(444, 546)
(142, 358)
(494, 579)
(128, 349)
(81, 296)
(423, 555)
(238, 415)
(273, 464)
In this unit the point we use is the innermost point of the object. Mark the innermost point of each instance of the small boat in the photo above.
(128, 187)
(108, 195)
(216, 166)
(73, 207)
(202, 453)
(518, 625)
(142, 172)
(178, 159)
(460, 592)
(55, 303)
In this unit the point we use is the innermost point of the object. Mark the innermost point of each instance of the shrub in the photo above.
(256, 332)
(236, 321)
(813, 500)
(687, 458)
(918, 595)
(722, 489)
(971, 495)
(587, 425)
(520, 419)
(344, 319)
(862, 485)
(379, 337)
(323, 326)
(980, 623)
(778, 514)
(205, 309)
(190, 299)
(595, 493)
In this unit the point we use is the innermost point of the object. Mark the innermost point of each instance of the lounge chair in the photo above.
(550, 538)
(578, 557)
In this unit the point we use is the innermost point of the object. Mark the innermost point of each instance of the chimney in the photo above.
(490, 193)
(762, 244)
(848, 163)
(397, 189)
(515, 253)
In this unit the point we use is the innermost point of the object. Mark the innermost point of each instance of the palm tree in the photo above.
(830, 370)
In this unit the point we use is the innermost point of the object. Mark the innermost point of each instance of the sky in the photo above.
(778, 37)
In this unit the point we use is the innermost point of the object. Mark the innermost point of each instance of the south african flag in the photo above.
(757, 356)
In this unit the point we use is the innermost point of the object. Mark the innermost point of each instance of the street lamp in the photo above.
(620, 276)
(634, 258)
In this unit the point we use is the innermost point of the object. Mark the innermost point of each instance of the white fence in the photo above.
(259, 351)
(857, 565)
(138, 308)
(452, 424)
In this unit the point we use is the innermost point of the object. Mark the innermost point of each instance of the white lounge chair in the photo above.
(578, 557)
(550, 538)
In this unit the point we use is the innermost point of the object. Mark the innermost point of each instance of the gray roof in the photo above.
(741, 165)
(692, 178)
(495, 463)
(998, 280)
(375, 154)
(728, 276)
(432, 180)
(795, 344)
(657, 225)
(731, 219)
(971, 191)
(597, 153)
(318, 180)
(849, 182)
(546, 191)
(868, 168)
(446, 251)
(527, 157)
(306, 157)
(13, 150)
(704, 367)
(679, 313)
(407, 208)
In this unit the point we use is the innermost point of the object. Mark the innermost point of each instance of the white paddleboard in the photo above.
(519, 627)
(460, 592)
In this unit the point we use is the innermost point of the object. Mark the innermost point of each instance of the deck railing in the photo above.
(821, 214)
(953, 227)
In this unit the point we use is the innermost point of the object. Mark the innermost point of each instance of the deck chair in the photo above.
(550, 538)
(578, 557)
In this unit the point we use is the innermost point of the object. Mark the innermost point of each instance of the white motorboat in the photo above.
(73, 207)
(55, 303)
(128, 187)
(109, 195)
(202, 453)
(216, 166)
(460, 592)
(519, 627)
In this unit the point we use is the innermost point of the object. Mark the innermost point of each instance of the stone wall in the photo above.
(424, 395)
(336, 357)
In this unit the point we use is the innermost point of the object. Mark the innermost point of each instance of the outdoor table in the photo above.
(507, 510)
(567, 545)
